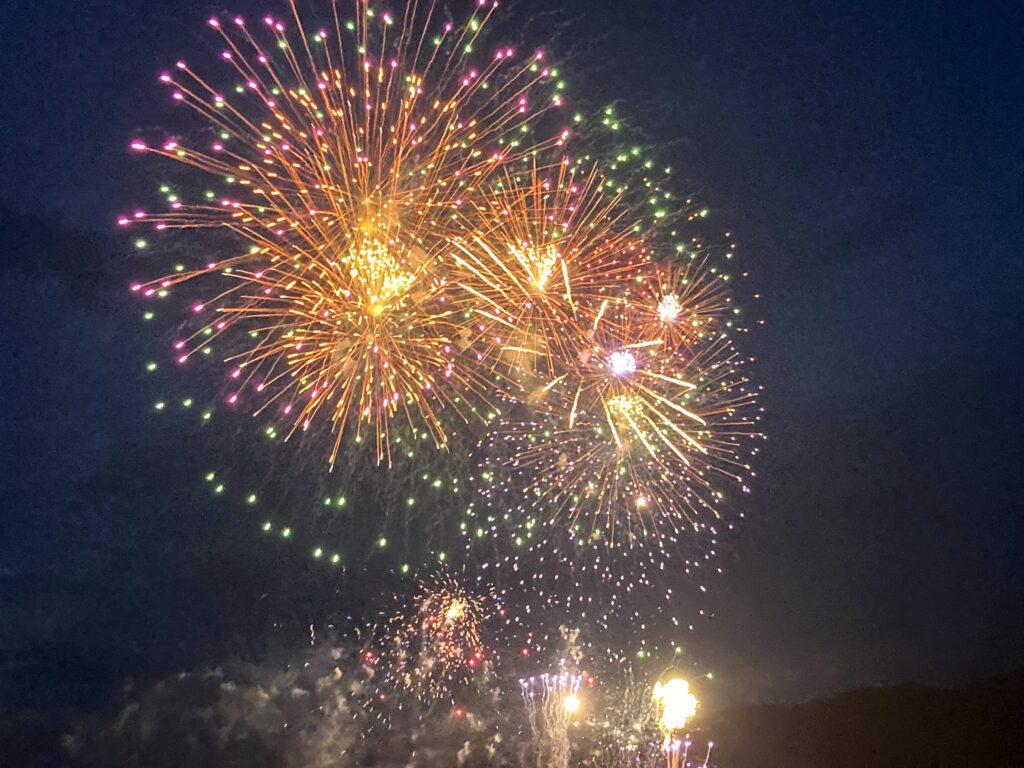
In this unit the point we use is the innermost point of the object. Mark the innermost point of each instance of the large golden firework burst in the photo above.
(349, 154)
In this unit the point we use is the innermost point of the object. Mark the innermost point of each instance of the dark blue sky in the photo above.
(869, 158)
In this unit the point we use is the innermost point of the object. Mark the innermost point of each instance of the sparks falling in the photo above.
(437, 644)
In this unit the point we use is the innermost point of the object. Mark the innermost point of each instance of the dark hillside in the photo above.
(979, 725)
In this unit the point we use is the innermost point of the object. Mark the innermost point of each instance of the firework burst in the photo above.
(407, 258)
(346, 156)
(634, 441)
(683, 305)
(552, 703)
(437, 644)
(549, 251)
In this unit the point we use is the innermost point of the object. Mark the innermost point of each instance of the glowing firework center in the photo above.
(538, 261)
(676, 705)
(456, 610)
(380, 276)
(622, 363)
(669, 308)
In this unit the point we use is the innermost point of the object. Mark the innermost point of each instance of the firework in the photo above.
(346, 157)
(437, 645)
(611, 487)
(552, 702)
(674, 754)
(635, 441)
(652, 755)
(676, 705)
(633, 716)
(549, 252)
(683, 305)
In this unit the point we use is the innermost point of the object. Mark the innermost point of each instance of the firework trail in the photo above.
(552, 702)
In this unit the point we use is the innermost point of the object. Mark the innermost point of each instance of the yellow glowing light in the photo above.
(378, 273)
(669, 308)
(625, 406)
(538, 262)
(456, 610)
(676, 704)
(572, 703)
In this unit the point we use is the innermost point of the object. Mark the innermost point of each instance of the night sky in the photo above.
(869, 159)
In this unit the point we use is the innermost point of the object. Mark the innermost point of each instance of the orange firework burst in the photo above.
(349, 156)
(550, 250)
